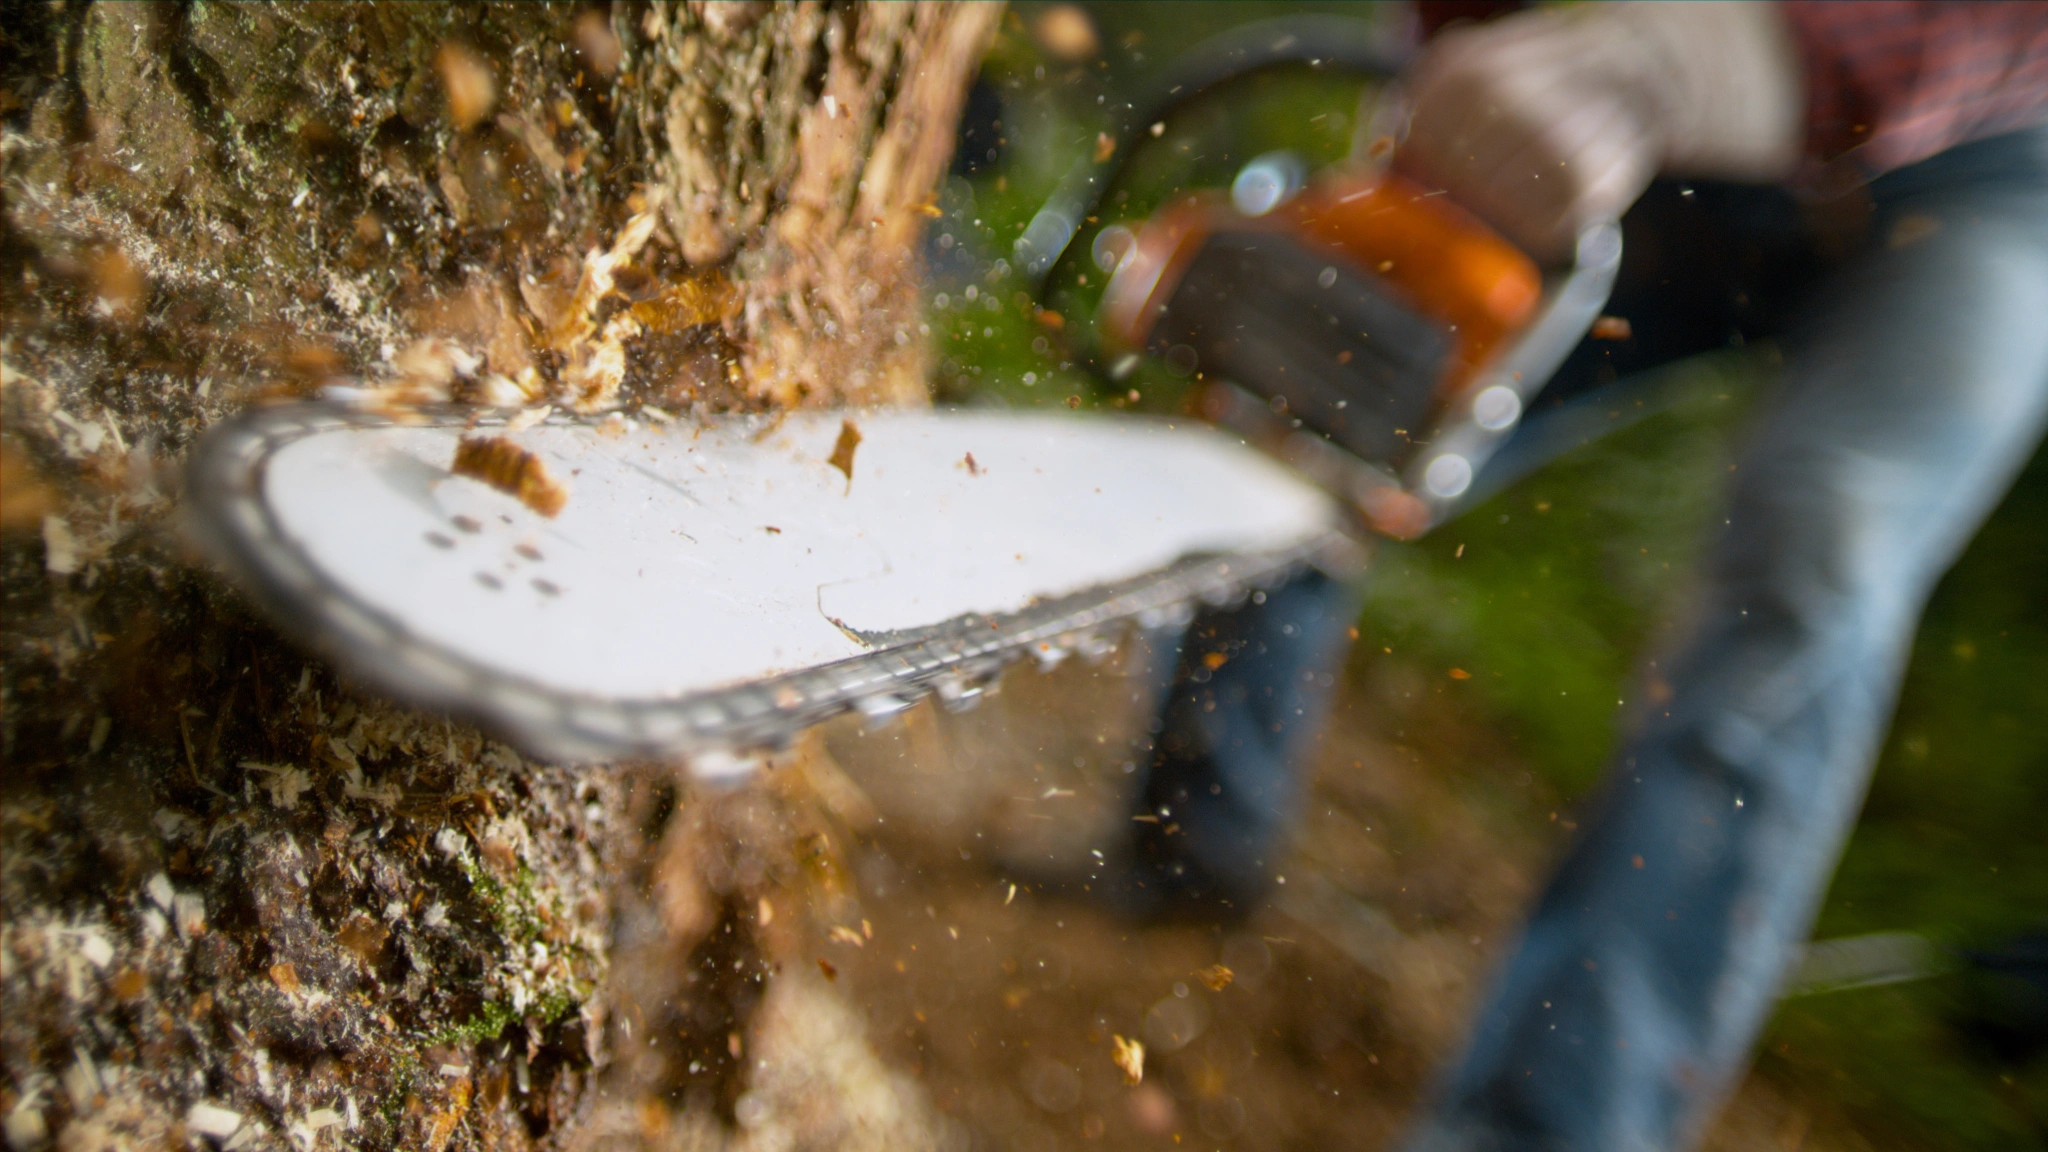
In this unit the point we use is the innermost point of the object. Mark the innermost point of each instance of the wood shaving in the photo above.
(1612, 328)
(467, 82)
(1129, 1056)
(842, 450)
(512, 470)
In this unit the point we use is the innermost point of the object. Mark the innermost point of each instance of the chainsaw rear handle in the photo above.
(1482, 416)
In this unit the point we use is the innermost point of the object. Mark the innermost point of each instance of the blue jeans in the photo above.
(1915, 387)
(1248, 690)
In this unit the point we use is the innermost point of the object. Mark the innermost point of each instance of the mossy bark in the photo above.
(243, 902)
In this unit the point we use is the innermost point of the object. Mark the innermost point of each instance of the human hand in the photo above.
(1545, 122)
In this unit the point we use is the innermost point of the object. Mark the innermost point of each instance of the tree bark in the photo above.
(244, 902)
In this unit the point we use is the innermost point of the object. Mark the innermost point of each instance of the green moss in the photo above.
(514, 909)
(499, 1015)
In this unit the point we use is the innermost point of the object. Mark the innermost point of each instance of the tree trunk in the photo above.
(246, 903)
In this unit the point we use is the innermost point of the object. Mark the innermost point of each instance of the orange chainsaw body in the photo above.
(1442, 260)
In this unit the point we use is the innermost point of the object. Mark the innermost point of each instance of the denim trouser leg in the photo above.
(1249, 691)
(1915, 393)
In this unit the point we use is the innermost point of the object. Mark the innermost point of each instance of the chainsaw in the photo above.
(706, 589)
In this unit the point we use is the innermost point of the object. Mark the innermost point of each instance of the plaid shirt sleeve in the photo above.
(1891, 82)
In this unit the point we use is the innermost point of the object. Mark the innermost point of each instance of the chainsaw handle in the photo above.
(1486, 411)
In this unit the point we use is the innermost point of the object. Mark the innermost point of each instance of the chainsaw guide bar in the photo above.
(710, 590)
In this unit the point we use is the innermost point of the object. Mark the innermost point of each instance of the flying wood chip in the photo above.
(512, 470)
(1613, 328)
(1129, 1056)
(842, 451)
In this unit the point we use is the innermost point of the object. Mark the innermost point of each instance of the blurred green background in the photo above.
(1553, 592)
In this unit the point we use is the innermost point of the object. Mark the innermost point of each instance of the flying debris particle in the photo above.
(707, 299)
(843, 935)
(512, 470)
(1612, 328)
(597, 43)
(286, 976)
(1105, 146)
(1217, 977)
(1911, 229)
(1073, 401)
(1460, 674)
(842, 450)
(467, 81)
(973, 468)
(825, 966)
(765, 914)
(1130, 1058)
(1066, 32)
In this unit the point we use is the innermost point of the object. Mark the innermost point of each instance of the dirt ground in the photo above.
(1420, 844)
